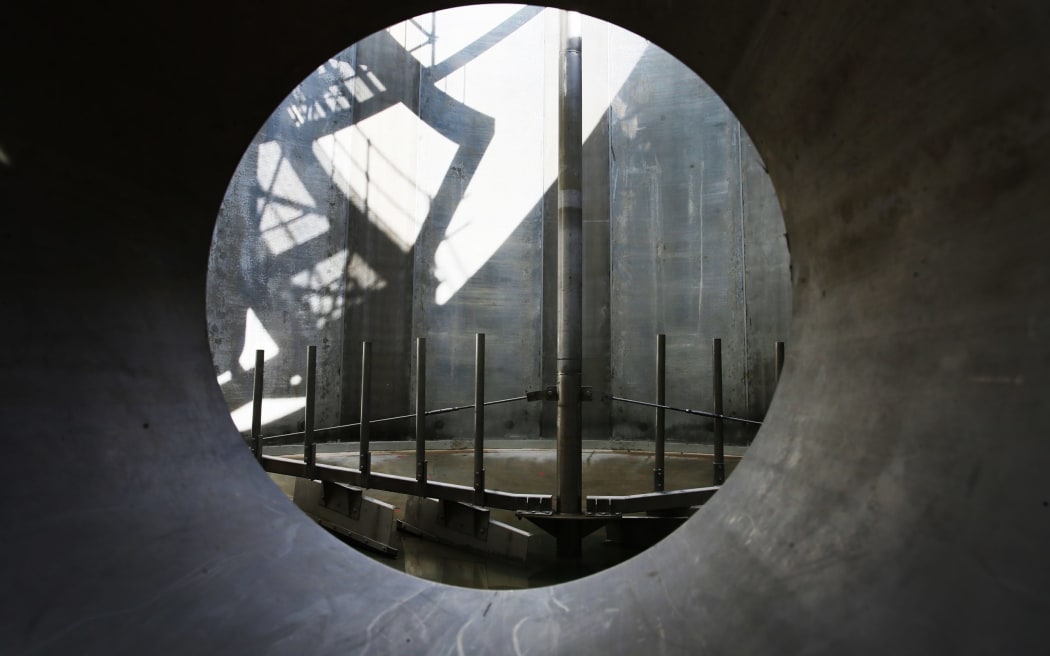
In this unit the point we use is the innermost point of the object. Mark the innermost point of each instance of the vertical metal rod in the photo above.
(365, 458)
(780, 362)
(257, 399)
(479, 420)
(421, 408)
(661, 377)
(309, 448)
(570, 282)
(716, 379)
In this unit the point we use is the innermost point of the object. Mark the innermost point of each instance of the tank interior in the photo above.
(893, 499)
(392, 240)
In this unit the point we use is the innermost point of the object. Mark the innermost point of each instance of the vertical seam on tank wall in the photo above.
(743, 259)
(607, 373)
(433, 38)
(542, 344)
(334, 192)
(700, 296)
(349, 200)
(349, 243)
(420, 268)
(615, 358)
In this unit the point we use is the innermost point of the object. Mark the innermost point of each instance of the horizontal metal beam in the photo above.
(406, 485)
(651, 501)
(437, 411)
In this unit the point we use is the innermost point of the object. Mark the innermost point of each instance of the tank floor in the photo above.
(521, 471)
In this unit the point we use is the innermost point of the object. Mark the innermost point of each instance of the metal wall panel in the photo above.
(436, 174)
(485, 98)
(678, 247)
(767, 284)
(385, 118)
(279, 252)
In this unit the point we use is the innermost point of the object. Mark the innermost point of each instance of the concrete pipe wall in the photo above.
(895, 500)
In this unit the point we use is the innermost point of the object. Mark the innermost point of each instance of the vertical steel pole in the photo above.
(570, 282)
(661, 399)
(780, 362)
(479, 420)
(421, 408)
(257, 399)
(309, 448)
(364, 460)
(716, 379)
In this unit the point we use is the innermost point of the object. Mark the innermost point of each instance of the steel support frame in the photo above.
(406, 485)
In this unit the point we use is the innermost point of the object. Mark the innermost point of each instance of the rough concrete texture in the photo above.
(895, 501)
(406, 189)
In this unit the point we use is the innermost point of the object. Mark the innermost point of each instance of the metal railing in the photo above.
(477, 494)
(363, 476)
(719, 418)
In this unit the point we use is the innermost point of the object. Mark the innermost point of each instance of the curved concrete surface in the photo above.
(895, 502)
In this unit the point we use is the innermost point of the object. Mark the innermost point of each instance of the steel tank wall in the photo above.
(895, 500)
(406, 189)
(280, 261)
(698, 252)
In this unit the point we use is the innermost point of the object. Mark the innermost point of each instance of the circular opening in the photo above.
(408, 189)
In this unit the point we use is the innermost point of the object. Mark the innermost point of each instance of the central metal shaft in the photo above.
(570, 280)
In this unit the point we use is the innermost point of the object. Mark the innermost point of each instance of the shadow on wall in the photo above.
(407, 189)
(321, 220)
